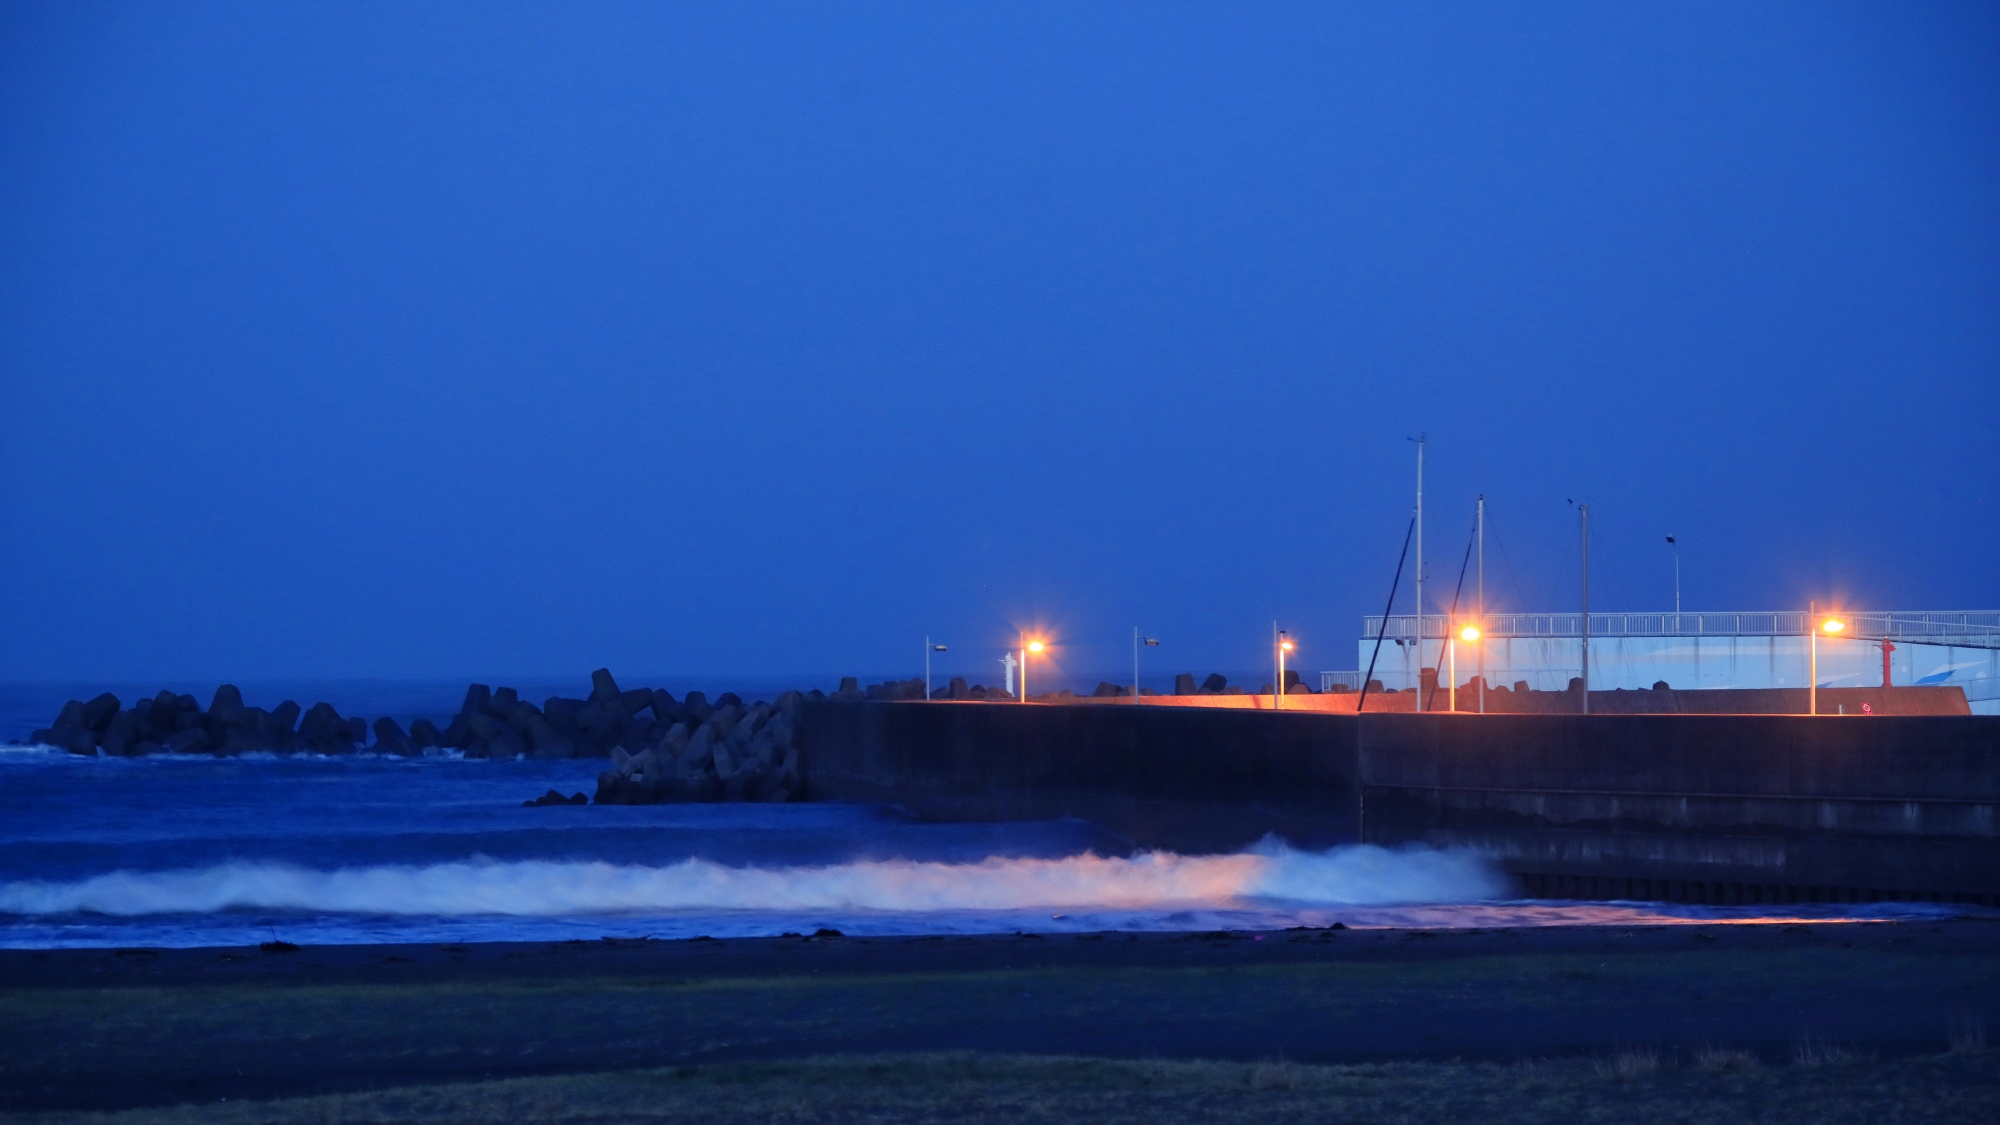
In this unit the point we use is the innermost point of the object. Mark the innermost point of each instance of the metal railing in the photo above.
(1330, 680)
(1956, 628)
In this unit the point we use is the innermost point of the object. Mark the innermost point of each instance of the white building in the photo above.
(1697, 650)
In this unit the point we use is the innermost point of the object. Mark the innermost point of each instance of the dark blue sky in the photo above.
(436, 339)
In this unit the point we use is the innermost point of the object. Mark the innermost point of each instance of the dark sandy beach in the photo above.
(136, 1027)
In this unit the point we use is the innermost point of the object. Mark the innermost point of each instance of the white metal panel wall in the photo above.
(1547, 664)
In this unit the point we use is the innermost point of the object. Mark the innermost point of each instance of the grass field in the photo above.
(1738, 1024)
(1823, 1085)
(1439, 1005)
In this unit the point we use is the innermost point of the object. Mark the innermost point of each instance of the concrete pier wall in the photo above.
(1189, 779)
(1704, 808)
(1677, 807)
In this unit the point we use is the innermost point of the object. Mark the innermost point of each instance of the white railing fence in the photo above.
(1955, 628)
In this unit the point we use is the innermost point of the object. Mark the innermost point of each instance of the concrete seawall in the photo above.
(1190, 779)
(1704, 808)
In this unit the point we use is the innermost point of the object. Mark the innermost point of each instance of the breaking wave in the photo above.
(1271, 872)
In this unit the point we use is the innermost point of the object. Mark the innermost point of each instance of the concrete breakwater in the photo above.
(490, 723)
(739, 753)
(661, 747)
(1702, 808)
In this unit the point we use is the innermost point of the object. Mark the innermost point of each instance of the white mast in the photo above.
(1484, 627)
(1420, 572)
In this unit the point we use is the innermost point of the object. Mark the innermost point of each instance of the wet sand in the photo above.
(112, 1028)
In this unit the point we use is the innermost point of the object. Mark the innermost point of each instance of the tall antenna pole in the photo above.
(1812, 666)
(1420, 572)
(1583, 510)
(1484, 626)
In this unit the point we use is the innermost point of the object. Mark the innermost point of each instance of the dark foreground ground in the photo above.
(1767, 1022)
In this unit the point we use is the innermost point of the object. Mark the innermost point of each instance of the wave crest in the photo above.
(1345, 876)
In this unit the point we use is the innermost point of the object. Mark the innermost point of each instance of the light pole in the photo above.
(928, 649)
(1420, 440)
(1284, 646)
(1677, 582)
(1469, 635)
(1035, 646)
(1137, 640)
(1583, 513)
(1832, 627)
(1482, 599)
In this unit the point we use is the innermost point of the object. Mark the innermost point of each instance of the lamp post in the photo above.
(1675, 544)
(1035, 646)
(1482, 599)
(928, 649)
(1284, 646)
(1583, 514)
(1420, 440)
(1832, 626)
(1469, 635)
(1137, 640)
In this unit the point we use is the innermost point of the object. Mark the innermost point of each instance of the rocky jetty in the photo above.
(682, 734)
(491, 723)
(177, 724)
(737, 752)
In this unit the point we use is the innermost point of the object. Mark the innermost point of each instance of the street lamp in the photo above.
(1137, 640)
(928, 649)
(1034, 646)
(1675, 544)
(1470, 635)
(1284, 646)
(1832, 626)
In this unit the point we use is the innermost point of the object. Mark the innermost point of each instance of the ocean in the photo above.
(197, 851)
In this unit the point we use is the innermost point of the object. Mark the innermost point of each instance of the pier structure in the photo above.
(1687, 807)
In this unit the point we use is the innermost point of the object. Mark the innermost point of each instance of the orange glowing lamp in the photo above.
(1832, 625)
(1035, 646)
(1469, 633)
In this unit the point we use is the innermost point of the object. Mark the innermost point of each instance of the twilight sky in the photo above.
(437, 339)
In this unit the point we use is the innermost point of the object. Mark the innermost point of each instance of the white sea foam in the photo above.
(1357, 875)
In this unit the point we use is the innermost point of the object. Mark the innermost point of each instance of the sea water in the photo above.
(170, 851)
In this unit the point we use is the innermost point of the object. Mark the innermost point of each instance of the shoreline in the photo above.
(749, 957)
(1514, 916)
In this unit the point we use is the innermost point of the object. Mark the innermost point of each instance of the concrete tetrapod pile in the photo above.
(739, 752)
(491, 723)
(176, 724)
